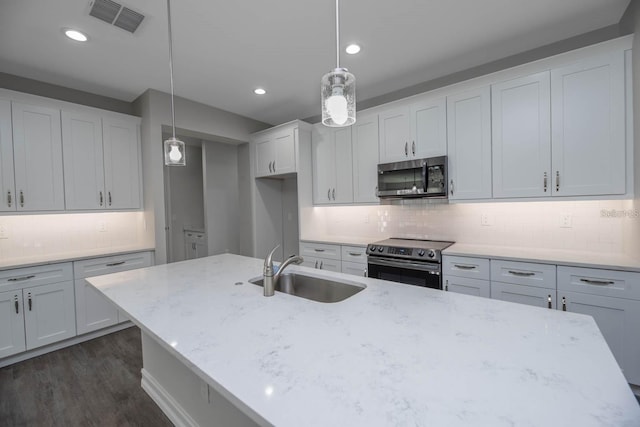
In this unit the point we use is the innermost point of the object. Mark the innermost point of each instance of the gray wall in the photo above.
(192, 119)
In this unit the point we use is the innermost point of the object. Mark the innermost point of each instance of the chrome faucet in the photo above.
(270, 279)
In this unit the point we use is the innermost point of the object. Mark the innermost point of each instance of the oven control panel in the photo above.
(400, 251)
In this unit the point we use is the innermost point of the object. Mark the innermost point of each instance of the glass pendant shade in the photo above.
(338, 93)
(174, 152)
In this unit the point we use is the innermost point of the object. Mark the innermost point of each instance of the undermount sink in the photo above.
(313, 288)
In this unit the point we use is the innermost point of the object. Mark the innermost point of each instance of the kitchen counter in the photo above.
(42, 259)
(392, 354)
(550, 256)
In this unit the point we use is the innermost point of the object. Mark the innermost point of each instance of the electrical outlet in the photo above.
(102, 226)
(4, 232)
(486, 220)
(566, 221)
(366, 219)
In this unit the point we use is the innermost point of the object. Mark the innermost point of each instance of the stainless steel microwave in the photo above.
(413, 178)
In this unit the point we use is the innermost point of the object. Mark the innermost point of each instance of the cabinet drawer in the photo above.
(35, 276)
(111, 264)
(612, 283)
(355, 268)
(474, 268)
(524, 273)
(357, 254)
(320, 250)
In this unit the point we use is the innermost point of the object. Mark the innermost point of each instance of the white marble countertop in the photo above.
(392, 355)
(51, 258)
(551, 256)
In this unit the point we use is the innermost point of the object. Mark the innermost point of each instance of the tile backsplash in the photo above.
(572, 225)
(49, 236)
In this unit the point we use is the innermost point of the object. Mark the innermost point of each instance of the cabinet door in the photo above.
(364, 138)
(523, 294)
(121, 163)
(323, 164)
(83, 161)
(469, 144)
(465, 285)
(354, 268)
(394, 135)
(50, 314)
(11, 323)
(344, 166)
(588, 122)
(429, 128)
(264, 157)
(521, 137)
(285, 152)
(37, 150)
(93, 310)
(7, 185)
(618, 320)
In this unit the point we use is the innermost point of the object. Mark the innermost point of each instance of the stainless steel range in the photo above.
(414, 262)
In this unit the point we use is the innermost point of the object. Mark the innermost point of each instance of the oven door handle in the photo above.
(432, 268)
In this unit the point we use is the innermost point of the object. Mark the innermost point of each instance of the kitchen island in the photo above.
(391, 355)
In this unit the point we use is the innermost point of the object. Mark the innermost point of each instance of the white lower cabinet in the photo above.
(36, 307)
(195, 244)
(465, 285)
(524, 283)
(338, 258)
(354, 268)
(466, 275)
(613, 299)
(93, 310)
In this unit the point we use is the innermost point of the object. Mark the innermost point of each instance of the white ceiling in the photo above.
(224, 49)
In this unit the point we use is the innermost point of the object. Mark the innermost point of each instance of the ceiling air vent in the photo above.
(115, 14)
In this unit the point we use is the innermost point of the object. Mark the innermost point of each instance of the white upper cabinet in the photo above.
(414, 131)
(83, 161)
(521, 137)
(37, 150)
(588, 127)
(276, 152)
(364, 137)
(469, 144)
(332, 165)
(101, 161)
(121, 163)
(7, 185)
(428, 123)
(395, 144)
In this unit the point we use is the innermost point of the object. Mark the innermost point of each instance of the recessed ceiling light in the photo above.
(352, 49)
(259, 91)
(75, 35)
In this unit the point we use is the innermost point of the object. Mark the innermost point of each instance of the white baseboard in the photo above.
(62, 344)
(166, 402)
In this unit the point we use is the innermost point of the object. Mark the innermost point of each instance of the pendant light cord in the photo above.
(337, 33)
(173, 113)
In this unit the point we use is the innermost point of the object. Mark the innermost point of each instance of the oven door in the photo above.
(425, 274)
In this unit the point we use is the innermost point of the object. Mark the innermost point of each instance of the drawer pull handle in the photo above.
(113, 264)
(598, 282)
(109, 198)
(15, 302)
(329, 194)
(465, 267)
(355, 253)
(320, 265)
(30, 301)
(406, 149)
(319, 250)
(365, 273)
(9, 198)
(21, 199)
(557, 181)
(549, 305)
(446, 286)
(20, 279)
(101, 199)
(522, 273)
(564, 304)
(545, 182)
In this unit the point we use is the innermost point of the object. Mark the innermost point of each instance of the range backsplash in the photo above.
(608, 225)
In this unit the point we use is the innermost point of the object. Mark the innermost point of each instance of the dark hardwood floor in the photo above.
(95, 383)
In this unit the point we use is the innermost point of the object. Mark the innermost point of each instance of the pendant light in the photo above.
(174, 153)
(338, 90)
